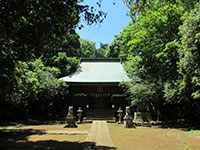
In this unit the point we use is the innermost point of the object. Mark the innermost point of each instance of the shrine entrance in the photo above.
(98, 104)
(88, 95)
(101, 101)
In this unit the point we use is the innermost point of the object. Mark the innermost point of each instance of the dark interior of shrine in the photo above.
(95, 98)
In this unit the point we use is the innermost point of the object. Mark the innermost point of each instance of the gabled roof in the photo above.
(98, 70)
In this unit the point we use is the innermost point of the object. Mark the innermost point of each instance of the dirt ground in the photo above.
(42, 137)
(149, 138)
(55, 137)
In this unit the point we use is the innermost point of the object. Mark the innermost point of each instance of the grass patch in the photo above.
(174, 134)
(7, 127)
(195, 132)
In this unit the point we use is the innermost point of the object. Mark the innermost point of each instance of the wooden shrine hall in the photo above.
(95, 87)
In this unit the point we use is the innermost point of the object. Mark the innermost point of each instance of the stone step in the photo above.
(100, 117)
(90, 120)
(100, 114)
(99, 110)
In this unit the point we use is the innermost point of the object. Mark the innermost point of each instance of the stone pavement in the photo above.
(99, 137)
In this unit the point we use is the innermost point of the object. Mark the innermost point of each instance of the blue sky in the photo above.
(113, 24)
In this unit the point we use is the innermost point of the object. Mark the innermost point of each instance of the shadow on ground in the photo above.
(30, 122)
(93, 146)
(186, 126)
(18, 139)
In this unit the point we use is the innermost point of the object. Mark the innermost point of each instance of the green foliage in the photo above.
(28, 26)
(189, 65)
(140, 92)
(152, 48)
(101, 52)
(70, 46)
(87, 49)
(170, 90)
(34, 82)
(161, 48)
(119, 48)
(38, 29)
(66, 64)
(142, 6)
(34, 77)
(149, 46)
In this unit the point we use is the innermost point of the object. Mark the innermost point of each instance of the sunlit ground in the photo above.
(55, 137)
(149, 138)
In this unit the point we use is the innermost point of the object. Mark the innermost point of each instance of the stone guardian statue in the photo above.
(128, 119)
(70, 119)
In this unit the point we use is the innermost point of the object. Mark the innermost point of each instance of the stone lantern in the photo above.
(79, 111)
(120, 111)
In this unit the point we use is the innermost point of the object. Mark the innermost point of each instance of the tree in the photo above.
(119, 47)
(28, 26)
(70, 46)
(65, 64)
(34, 83)
(189, 52)
(31, 29)
(87, 48)
(189, 63)
(141, 6)
(185, 90)
(151, 44)
(101, 52)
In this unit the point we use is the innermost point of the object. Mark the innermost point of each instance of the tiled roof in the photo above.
(98, 70)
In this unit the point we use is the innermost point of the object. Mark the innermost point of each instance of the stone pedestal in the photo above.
(138, 118)
(70, 119)
(128, 120)
(142, 116)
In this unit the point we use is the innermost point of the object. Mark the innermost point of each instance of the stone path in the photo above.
(99, 137)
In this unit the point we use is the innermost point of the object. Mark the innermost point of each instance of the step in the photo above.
(90, 120)
(99, 117)
(100, 110)
(99, 114)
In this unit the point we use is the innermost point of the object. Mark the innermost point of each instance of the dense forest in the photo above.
(159, 48)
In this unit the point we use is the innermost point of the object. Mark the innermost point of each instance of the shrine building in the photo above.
(94, 87)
